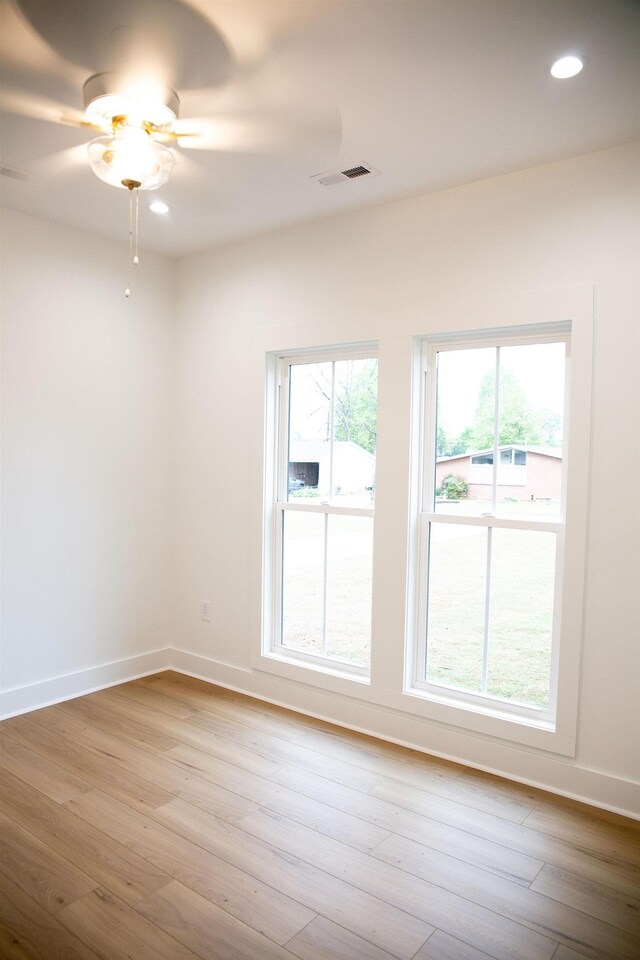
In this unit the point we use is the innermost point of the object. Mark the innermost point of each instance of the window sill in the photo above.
(490, 720)
(300, 668)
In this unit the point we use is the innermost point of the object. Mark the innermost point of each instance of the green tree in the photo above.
(551, 427)
(356, 405)
(442, 444)
(518, 422)
(356, 402)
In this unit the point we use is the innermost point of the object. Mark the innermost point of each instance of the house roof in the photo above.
(541, 451)
(312, 451)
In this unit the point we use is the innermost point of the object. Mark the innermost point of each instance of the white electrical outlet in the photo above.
(205, 610)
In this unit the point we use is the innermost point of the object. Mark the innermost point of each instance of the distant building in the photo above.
(524, 472)
(354, 468)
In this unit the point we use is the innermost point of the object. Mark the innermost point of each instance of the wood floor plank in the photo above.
(154, 769)
(265, 716)
(206, 929)
(294, 731)
(323, 940)
(565, 953)
(420, 773)
(110, 721)
(265, 793)
(257, 904)
(115, 931)
(473, 922)
(372, 919)
(547, 916)
(598, 901)
(50, 778)
(100, 771)
(480, 851)
(338, 824)
(45, 876)
(280, 750)
(261, 792)
(92, 851)
(28, 932)
(175, 706)
(612, 840)
(259, 716)
(196, 822)
(183, 731)
(521, 837)
(122, 706)
(442, 946)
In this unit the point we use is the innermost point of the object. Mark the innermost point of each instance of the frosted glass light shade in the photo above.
(130, 154)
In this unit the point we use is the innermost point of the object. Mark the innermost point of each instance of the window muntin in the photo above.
(324, 510)
(490, 543)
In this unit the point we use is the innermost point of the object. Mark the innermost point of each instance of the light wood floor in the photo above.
(169, 819)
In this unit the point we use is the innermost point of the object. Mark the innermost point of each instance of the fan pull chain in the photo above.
(134, 212)
(135, 239)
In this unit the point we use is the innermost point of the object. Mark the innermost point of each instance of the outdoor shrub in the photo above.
(454, 488)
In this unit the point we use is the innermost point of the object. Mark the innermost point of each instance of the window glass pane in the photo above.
(333, 409)
(531, 422)
(521, 615)
(350, 554)
(456, 604)
(355, 431)
(310, 397)
(302, 581)
(465, 407)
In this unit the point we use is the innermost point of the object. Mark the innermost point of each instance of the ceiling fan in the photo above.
(138, 53)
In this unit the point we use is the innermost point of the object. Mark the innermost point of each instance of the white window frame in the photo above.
(278, 504)
(457, 706)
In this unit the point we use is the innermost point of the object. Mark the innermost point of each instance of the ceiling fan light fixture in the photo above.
(130, 154)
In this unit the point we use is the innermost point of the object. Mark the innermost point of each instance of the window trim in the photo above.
(277, 505)
(556, 732)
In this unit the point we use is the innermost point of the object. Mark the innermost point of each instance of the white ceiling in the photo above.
(431, 93)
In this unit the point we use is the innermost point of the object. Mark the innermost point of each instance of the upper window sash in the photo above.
(431, 347)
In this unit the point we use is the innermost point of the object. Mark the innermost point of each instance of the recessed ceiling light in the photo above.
(158, 207)
(566, 67)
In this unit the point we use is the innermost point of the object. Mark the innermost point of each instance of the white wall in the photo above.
(86, 381)
(388, 273)
(105, 562)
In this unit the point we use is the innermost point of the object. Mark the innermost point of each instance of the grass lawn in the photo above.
(520, 603)
(348, 585)
(521, 609)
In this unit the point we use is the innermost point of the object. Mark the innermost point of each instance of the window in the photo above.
(491, 544)
(323, 508)
(483, 458)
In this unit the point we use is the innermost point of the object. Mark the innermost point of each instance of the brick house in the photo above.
(524, 472)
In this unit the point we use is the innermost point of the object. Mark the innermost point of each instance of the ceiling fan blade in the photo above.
(81, 121)
(60, 163)
(166, 40)
(39, 108)
(270, 134)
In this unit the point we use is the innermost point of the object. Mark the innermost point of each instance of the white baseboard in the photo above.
(70, 685)
(561, 776)
(553, 774)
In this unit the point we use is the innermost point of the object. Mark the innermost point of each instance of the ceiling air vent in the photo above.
(11, 173)
(356, 172)
(339, 176)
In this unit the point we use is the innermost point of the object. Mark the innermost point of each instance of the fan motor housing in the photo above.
(108, 95)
